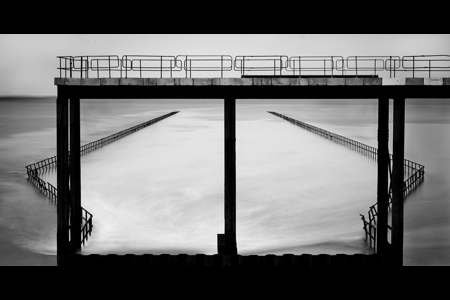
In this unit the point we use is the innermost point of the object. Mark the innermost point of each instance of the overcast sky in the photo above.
(28, 63)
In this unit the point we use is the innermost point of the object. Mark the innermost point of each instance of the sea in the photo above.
(161, 189)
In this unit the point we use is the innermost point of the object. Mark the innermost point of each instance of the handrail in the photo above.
(260, 63)
(315, 63)
(273, 65)
(425, 67)
(216, 63)
(155, 63)
(367, 63)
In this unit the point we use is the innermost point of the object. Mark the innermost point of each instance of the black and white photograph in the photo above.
(216, 150)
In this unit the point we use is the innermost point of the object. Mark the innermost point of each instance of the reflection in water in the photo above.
(160, 190)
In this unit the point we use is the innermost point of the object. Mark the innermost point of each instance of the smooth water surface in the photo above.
(161, 189)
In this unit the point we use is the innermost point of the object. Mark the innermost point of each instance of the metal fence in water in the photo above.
(50, 191)
(415, 173)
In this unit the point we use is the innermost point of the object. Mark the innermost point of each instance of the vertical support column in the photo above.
(75, 176)
(62, 145)
(382, 177)
(230, 176)
(398, 174)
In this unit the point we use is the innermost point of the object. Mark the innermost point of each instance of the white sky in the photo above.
(28, 63)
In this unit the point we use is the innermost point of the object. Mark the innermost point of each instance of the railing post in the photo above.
(221, 66)
(429, 68)
(390, 66)
(109, 65)
(413, 66)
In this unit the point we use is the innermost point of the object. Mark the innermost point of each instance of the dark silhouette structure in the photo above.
(297, 86)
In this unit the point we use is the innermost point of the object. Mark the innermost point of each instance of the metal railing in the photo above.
(320, 64)
(205, 63)
(138, 66)
(263, 64)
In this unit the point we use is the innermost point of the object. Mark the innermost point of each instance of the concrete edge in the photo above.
(255, 81)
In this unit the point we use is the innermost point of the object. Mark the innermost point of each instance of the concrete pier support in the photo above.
(382, 175)
(230, 176)
(62, 145)
(75, 176)
(398, 174)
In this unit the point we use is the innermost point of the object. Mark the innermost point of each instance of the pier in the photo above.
(255, 77)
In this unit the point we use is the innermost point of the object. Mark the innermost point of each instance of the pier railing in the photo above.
(50, 191)
(414, 172)
(139, 66)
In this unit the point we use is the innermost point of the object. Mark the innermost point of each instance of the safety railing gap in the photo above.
(415, 173)
(51, 192)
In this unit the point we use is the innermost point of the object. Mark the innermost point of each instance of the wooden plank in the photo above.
(230, 177)
(62, 145)
(75, 176)
(398, 174)
(382, 176)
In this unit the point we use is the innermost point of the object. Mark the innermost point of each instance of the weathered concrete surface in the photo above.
(335, 81)
(184, 81)
(165, 81)
(281, 81)
(266, 81)
(317, 81)
(354, 81)
(373, 81)
(433, 81)
(202, 81)
(414, 81)
(394, 81)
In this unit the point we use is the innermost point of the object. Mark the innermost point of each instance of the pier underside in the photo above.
(230, 89)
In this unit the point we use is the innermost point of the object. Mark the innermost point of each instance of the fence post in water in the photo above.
(230, 176)
(398, 174)
(62, 145)
(75, 176)
(382, 177)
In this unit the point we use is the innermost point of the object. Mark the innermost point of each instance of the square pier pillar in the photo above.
(230, 177)
(62, 149)
(398, 178)
(382, 175)
(68, 237)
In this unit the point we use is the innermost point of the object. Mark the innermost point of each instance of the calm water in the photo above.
(160, 190)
